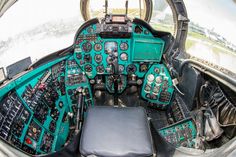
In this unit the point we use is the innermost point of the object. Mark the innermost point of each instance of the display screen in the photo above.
(147, 50)
(110, 47)
(118, 19)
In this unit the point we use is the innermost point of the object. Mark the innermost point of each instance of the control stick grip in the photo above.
(80, 111)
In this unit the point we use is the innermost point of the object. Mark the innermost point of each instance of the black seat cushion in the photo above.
(113, 132)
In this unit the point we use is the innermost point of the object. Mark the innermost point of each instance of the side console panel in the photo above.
(36, 114)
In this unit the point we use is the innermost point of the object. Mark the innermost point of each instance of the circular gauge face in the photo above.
(88, 68)
(150, 77)
(87, 47)
(123, 56)
(98, 58)
(131, 69)
(90, 30)
(100, 69)
(124, 46)
(121, 68)
(97, 47)
(158, 79)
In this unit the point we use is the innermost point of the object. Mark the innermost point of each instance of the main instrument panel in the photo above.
(98, 57)
(124, 49)
(133, 55)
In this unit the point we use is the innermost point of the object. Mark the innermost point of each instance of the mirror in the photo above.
(2, 75)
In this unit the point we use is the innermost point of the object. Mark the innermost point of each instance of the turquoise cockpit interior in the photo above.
(113, 63)
(115, 92)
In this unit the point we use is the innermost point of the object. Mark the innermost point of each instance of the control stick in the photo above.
(80, 111)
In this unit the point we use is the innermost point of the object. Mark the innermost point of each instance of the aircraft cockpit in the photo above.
(122, 89)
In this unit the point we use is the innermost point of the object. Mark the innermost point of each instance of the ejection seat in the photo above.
(116, 132)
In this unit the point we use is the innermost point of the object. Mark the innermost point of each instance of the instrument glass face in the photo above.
(124, 46)
(110, 47)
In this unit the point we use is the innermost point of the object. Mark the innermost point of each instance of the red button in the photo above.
(28, 141)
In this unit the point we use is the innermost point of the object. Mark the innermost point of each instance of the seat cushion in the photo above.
(113, 132)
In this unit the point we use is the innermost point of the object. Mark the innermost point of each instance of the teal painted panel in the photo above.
(157, 80)
(180, 134)
(141, 48)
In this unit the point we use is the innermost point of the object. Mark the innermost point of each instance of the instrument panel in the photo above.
(97, 55)
(157, 86)
(179, 134)
(102, 49)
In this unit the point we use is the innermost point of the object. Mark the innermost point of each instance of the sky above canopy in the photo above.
(218, 15)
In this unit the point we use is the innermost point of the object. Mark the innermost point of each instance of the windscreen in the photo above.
(37, 28)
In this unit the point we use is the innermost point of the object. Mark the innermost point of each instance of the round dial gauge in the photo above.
(131, 69)
(98, 58)
(97, 47)
(100, 69)
(158, 80)
(150, 77)
(87, 47)
(88, 68)
(124, 46)
(123, 56)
